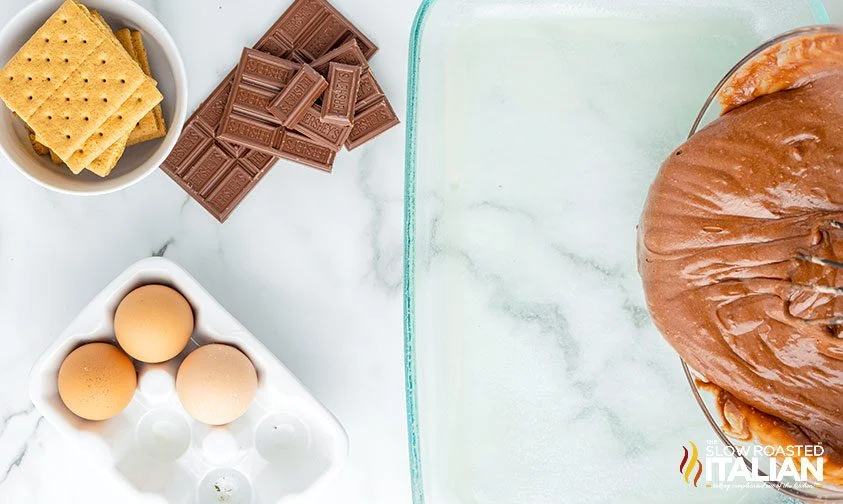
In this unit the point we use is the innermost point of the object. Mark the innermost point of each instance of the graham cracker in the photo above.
(37, 146)
(121, 122)
(151, 126)
(102, 165)
(106, 161)
(89, 97)
(48, 59)
(124, 36)
(97, 18)
(148, 132)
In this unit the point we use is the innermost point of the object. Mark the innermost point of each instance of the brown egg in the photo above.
(153, 323)
(216, 384)
(97, 381)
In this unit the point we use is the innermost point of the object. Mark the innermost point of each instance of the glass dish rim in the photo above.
(817, 8)
(413, 61)
(688, 371)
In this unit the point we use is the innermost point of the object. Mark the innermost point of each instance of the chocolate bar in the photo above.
(216, 173)
(246, 120)
(326, 34)
(371, 122)
(330, 135)
(219, 174)
(303, 150)
(368, 92)
(313, 27)
(275, 46)
(340, 99)
(257, 81)
(252, 133)
(270, 72)
(302, 92)
(348, 54)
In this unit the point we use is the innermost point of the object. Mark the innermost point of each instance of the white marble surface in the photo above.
(310, 263)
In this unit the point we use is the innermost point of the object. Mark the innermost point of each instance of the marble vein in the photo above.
(16, 414)
(633, 441)
(21, 454)
(551, 317)
(160, 251)
(638, 314)
(386, 267)
(505, 208)
(187, 199)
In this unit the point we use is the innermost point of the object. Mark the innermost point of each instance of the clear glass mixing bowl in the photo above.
(711, 110)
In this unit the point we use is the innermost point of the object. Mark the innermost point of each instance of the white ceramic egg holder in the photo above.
(283, 448)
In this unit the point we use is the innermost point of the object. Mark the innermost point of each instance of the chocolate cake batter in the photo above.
(741, 250)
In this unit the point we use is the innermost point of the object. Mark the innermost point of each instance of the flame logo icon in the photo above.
(691, 463)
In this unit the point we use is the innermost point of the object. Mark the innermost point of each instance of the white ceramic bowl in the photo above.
(139, 160)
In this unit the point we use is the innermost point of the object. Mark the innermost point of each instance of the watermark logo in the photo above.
(691, 465)
(721, 466)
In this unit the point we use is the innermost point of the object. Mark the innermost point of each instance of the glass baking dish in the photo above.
(535, 127)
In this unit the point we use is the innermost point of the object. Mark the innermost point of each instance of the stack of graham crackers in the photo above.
(85, 92)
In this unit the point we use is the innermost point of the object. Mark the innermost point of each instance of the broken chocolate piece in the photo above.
(325, 35)
(257, 81)
(264, 70)
(331, 135)
(246, 121)
(275, 46)
(201, 163)
(371, 122)
(314, 27)
(348, 53)
(301, 92)
(368, 92)
(252, 133)
(303, 150)
(340, 98)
